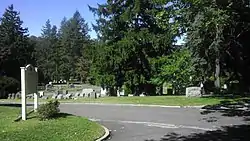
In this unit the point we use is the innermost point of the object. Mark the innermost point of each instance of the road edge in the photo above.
(133, 105)
(106, 134)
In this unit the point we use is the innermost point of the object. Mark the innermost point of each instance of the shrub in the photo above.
(49, 110)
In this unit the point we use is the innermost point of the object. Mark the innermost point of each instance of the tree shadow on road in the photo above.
(229, 133)
(239, 108)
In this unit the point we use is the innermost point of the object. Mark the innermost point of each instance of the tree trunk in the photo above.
(217, 74)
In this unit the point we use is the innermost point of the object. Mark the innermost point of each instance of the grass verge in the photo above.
(152, 100)
(66, 127)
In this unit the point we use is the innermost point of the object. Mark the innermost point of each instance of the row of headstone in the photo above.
(14, 96)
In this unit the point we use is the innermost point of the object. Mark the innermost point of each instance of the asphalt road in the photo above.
(133, 123)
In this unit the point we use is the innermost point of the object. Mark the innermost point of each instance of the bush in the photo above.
(49, 110)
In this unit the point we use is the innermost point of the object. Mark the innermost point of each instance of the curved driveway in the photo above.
(138, 123)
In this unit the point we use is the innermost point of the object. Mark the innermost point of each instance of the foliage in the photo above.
(128, 38)
(175, 69)
(15, 48)
(49, 110)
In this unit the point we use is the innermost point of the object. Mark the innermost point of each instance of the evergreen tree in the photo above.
(129, 37)
(16, 50)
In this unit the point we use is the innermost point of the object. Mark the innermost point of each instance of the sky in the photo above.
(34, 13)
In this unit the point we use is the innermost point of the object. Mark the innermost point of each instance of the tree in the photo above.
(176, 68)
(129, 36)
(16, 49)
(73, 39)
(46, 52)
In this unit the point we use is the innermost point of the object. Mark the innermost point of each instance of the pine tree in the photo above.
(16, 50)
(129, 37)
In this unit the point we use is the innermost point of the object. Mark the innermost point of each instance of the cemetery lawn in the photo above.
(148, 100)
(158, 100)
(67, 127)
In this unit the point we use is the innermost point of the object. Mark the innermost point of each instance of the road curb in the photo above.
(106, 134)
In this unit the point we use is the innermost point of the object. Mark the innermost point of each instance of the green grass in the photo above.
(154, 100)
(68, 128)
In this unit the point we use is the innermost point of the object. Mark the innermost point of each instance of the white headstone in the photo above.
(193, 92)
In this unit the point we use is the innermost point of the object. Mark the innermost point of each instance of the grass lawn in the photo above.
(152, 100)
(156, 100)
(65, 128)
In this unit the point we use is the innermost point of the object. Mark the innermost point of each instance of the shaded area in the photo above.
(233, 133)
(237, 108)
(14, 104)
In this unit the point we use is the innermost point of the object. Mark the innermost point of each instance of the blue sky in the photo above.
(34, 13)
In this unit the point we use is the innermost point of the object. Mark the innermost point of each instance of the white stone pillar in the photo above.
(23, 93)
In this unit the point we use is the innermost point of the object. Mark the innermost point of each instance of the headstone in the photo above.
(193, 92)
(167, 88)
(41, 93)
(68, 96)
(130, 95)
(12, 96)
(54, 96)
(81, 95)
(45, 97)
(118, 93)
(142, 95)
(103, 92)
(18, 95)
(77, 94)
(122, 93)
(9, 96)
(60, 96)
(86, 92)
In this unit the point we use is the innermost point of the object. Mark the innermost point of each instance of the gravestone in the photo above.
(45, 97)
(103, 92)
(77, 94)
(54, 96)
(18, 95)
(41, 93)
(60, 96)
(9, 96)
(167, 88)
(68, 96)
(130, 95)
(142, 95)
(193, 92)
(13, 96)
(86, 92)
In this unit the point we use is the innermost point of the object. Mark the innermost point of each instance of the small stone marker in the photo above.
(45, 97)
(9, 96)
(18, 95)
(54, 96)
(12, 96)
(60, 96)
(193, 92)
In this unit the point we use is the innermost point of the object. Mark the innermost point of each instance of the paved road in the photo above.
(132, 123)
